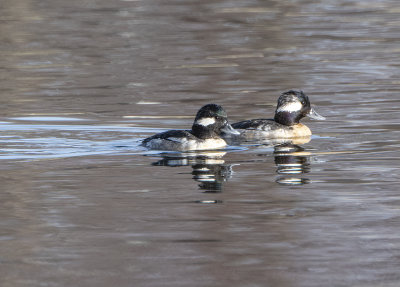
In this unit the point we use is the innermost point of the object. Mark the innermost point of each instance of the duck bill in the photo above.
(314, 115)
(229, 130)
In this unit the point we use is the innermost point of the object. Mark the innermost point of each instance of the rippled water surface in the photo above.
(82, 204)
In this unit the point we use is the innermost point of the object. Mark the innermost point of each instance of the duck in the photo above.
(209, 124)
(291, 108)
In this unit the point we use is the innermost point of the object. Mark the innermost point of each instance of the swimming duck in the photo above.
(210, 122)
(292, 107)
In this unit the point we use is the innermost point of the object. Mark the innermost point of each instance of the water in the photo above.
(82, 204)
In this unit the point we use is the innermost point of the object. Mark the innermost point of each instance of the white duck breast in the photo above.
(191, 144)
(210, 144)
(186, 144)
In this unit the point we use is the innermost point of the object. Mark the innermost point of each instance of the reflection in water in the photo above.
(292, 162)
(208, 168)
(290, 158)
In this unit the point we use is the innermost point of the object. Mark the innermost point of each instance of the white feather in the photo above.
(210, 144)
(205, 121)
(186, 144)
(290, 107)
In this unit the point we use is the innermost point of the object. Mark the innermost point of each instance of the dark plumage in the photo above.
(210, 122)
(291, 108)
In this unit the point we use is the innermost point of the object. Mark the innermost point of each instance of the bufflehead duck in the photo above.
(210, 122)
(292, 107)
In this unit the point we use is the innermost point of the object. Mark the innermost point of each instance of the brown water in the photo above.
(81, 204)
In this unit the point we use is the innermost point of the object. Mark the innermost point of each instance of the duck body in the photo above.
(182, 140)
(210, 122)
(268, 128)
(291, 108)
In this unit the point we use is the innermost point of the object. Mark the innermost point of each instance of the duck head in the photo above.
(211, 121)
(292, 107)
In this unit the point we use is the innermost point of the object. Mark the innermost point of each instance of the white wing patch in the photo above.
(290, 107)
(205, 121)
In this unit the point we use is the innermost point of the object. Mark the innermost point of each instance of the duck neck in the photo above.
(203, 132)
(287, 118)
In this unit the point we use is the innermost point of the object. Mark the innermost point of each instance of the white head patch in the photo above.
(290, 107)
(205, 121)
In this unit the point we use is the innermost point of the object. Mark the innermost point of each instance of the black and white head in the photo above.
(211, 121)
(292, 107)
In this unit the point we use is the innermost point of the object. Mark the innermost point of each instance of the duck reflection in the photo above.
(292, 163)
(209, 169)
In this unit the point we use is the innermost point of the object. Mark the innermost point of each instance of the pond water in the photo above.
(82, 204)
